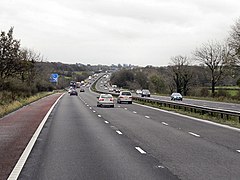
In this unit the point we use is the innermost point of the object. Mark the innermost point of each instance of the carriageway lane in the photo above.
(76, 144)
(186, 155)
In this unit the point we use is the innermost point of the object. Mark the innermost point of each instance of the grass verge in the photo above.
(231, 121)
(8, 108)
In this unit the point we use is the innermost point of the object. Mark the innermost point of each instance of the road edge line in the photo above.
(23, 158)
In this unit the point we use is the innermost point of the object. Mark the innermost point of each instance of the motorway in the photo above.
(76, 143)
(201, 103)
(130, 141)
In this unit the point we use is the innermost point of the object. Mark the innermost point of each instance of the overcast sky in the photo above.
(138, 32)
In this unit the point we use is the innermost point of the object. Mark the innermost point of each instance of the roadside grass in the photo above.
(231, 92)
(231, 121)
(10, 107)
(216, 99)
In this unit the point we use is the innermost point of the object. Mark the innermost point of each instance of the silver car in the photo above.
(125, 96)
(176, 96)
(145, 93)
(105, 100)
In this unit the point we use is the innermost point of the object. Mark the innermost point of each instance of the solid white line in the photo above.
(238, 150)
(99, 115)
(106, 122)
(166, 124)
(140, 150)
(18, 167)
(147, 117)
(119, 132)
(194, 134)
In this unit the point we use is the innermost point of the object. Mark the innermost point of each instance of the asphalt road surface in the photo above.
(77, 144)
(130, 141)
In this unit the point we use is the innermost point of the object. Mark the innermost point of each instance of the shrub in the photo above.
(222, 93)
(204, 92)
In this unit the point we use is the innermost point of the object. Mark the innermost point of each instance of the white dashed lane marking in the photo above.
(166, 124)
(125, 108)
(194, 134)
(119, 132)
(99, 115)
(106, 122)
(238, 150)
(134, 112)
(140, 150)
(93, 111)
(147, 117)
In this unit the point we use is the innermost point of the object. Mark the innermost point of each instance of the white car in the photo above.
(110, 89)
(70, 89)
(125, 96)
(105, 100)
(176, 96)
(139, 92)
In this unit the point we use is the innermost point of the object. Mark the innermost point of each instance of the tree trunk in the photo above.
(213, 88)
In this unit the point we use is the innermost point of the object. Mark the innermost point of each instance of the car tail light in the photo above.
(111, 99)
(121, 97)
(101, 99)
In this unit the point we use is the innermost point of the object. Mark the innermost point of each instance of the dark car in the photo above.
(176, 96)
(73, 92)
(145, 93)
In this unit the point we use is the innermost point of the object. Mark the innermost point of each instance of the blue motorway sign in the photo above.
(54, 78)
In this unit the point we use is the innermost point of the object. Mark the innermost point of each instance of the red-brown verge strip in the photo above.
(16, 130)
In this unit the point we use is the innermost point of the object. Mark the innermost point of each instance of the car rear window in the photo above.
(106, 96)
(126, 93)
(146, 91)
(176, 94)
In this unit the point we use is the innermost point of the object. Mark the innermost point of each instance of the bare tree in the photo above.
(181, 73)
(216, 57)
(234, 40)
(28, 60)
